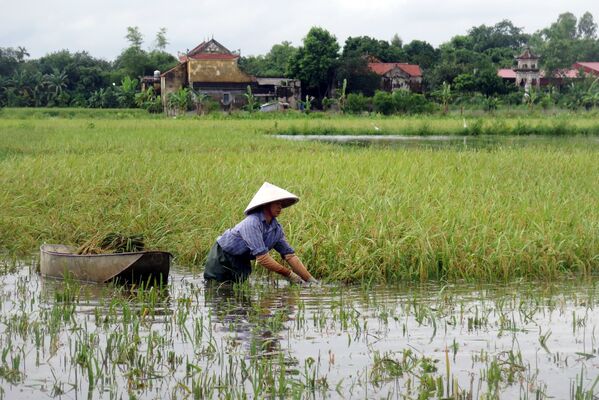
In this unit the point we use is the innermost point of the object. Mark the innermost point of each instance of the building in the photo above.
(396, 76)
(591, 68)
(213, 70)
(528, 74)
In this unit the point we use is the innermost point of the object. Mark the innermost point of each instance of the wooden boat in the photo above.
(59, 261)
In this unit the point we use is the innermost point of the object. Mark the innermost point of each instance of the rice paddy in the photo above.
(367, 214)
(455, 272)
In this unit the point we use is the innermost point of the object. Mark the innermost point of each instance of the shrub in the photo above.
(383, 103)
(411, 103)
(356, 103)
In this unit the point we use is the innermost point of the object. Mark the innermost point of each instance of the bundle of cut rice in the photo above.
(112, 243)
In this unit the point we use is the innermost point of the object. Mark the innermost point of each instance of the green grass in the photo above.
(366, 214)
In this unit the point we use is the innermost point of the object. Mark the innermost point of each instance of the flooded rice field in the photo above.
(454, 142)
(63, 339)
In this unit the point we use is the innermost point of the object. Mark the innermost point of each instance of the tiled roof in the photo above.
(592, 66)
(506, 73)
(383, 68)
(567, 73)
(527, 55)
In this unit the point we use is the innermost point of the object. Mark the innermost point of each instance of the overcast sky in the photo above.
(44, 26)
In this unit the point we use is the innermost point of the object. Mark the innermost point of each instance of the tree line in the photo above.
(464, 66)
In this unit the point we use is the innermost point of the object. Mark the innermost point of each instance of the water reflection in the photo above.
(257, 321)
(522, 339)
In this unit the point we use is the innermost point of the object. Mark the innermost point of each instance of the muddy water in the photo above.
(522, 340)
(453, 142)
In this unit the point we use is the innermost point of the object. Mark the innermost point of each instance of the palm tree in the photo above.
(22, 53)
(4, 87)
(57, 82)
(20, 82)
(38, 83)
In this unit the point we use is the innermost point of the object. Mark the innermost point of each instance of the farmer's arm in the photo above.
(296, 264)
(298, 267)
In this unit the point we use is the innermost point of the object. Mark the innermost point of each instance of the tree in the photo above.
(421, 53)
(134, 36)
(126, 92)
(161, 41)
(360, 79)
(366, 46)
(501, 35)
(11, 59)
(396, 41)
(587, 28)
(274, 63)
(57, 82)
(315, 62)
(278, 58)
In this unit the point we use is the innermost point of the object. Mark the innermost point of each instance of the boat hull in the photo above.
(60, 261)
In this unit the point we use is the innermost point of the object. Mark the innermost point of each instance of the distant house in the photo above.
(212, 69)
(528, 74)
(591, 68)
(396, 76)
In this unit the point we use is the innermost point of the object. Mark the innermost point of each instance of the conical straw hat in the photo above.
(269, 193)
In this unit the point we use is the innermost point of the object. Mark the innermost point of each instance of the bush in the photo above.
(411, 103)
(356, 103)
(383, 103)
(210, 105)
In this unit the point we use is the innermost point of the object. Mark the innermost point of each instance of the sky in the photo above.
(99, 27)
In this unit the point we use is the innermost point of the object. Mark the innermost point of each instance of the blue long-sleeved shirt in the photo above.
(253, 237)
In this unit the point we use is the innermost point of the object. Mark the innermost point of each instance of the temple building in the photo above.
(527, 74)
(213, 70)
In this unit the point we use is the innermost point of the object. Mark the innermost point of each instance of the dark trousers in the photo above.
(224, 267)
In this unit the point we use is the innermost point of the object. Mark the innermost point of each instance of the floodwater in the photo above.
(66, 340)
(452, 142)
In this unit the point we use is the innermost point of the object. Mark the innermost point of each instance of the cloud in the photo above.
(100, 27)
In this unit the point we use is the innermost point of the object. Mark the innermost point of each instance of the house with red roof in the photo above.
(528, 73)
(396, 76)
(211, 69)
(591, 68)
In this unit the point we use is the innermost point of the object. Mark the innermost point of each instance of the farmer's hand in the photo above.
(295, 278)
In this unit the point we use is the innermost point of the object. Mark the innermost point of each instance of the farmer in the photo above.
(229, 258)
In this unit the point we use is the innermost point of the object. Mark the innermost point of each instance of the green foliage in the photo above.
(126, 92)
(161, 41)
(383, 103)
(362, 46)
(566, 41)
(314, 63)
(149, 101)
(134, 36)
(180, 101)
(406, 102)
(421, 53)
(199, 99)
(274, 64)
(360, 79)
(356, 103)
(251, 101)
